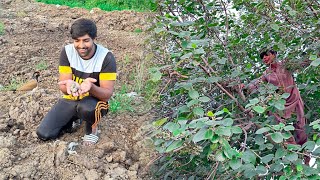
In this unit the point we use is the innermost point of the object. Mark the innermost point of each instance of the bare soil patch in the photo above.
(34, 35)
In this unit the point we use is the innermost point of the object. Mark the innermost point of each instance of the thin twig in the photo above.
(152, 161)
(214, 171)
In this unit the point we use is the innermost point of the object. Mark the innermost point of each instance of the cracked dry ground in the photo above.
(35, 34)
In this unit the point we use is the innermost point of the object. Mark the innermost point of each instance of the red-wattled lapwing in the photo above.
(32, 84)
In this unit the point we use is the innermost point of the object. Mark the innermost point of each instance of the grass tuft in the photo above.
(1, 28)
(42, 65)
(121, 102)
(14, 84)
(107, 5)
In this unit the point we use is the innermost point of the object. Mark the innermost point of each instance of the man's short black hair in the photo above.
(265, 52)
(82, 27)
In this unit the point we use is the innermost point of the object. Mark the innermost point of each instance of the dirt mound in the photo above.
(34, 35)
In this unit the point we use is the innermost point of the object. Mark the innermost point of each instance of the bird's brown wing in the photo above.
(30, 85)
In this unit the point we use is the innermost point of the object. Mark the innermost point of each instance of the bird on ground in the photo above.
(32, 84)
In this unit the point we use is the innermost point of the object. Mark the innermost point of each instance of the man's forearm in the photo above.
(102, 94)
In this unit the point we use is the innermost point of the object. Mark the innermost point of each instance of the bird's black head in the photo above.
(36, 75)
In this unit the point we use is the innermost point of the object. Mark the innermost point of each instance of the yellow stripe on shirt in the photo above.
(65, 69)
(108, 76)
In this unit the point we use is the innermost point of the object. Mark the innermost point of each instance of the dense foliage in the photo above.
(107, 5)
(209, 126)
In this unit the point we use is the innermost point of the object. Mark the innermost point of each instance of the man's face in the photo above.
(268, 58)
(84, 46)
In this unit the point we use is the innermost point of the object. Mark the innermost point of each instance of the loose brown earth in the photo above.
(34, 34)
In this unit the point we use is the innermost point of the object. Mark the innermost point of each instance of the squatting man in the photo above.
(87, 74)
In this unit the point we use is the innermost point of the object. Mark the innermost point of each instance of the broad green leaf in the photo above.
(220, 156)
(156, 76)
(292, 156)
(259, 139)
(209, 134)
(177, 132)
(313, 57)
(293, 147)
(192, 102)
(218, 113)
(259, 109)
(158, 30)
(266, 159)
(261, 169)
(227, 122)
(309, 145)
(285, 95)
(249, 157)
(204, 99)
(174, 145)
(276, 167)
(198, 111)
(160, 122)
(236, 130)
(292, 13)
(222, 61)
(186, 56)
(225, 131)
(210, 114)
(277, 127)
(229, 153)
(275, 27)
(200, 135)
(158, 142)
(199, 51)
(316, 62)
(226, 110)
(316, 152)
(183, 109)
(235, 164)
(280, 104)
(277, 137)
(185, 23)
(215, 138)
(280, 153)
(173, 32)
(183, 34)
(262, 130)
(249, 171)
(288, 128)
(269, 146)
(254, 101)
(194, 94)
(299, 167)
(187, 86)
(171, 126)
(184, 44)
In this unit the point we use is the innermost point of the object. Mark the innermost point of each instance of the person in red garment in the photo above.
(279, 76)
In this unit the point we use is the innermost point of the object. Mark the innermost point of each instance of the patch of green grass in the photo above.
(1, 28)
(121, 102)
(138, 30)
(42, 65)
(14, 84)
(107, 5)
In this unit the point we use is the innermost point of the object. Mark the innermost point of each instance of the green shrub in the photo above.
(107, 5)
(1, 28)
